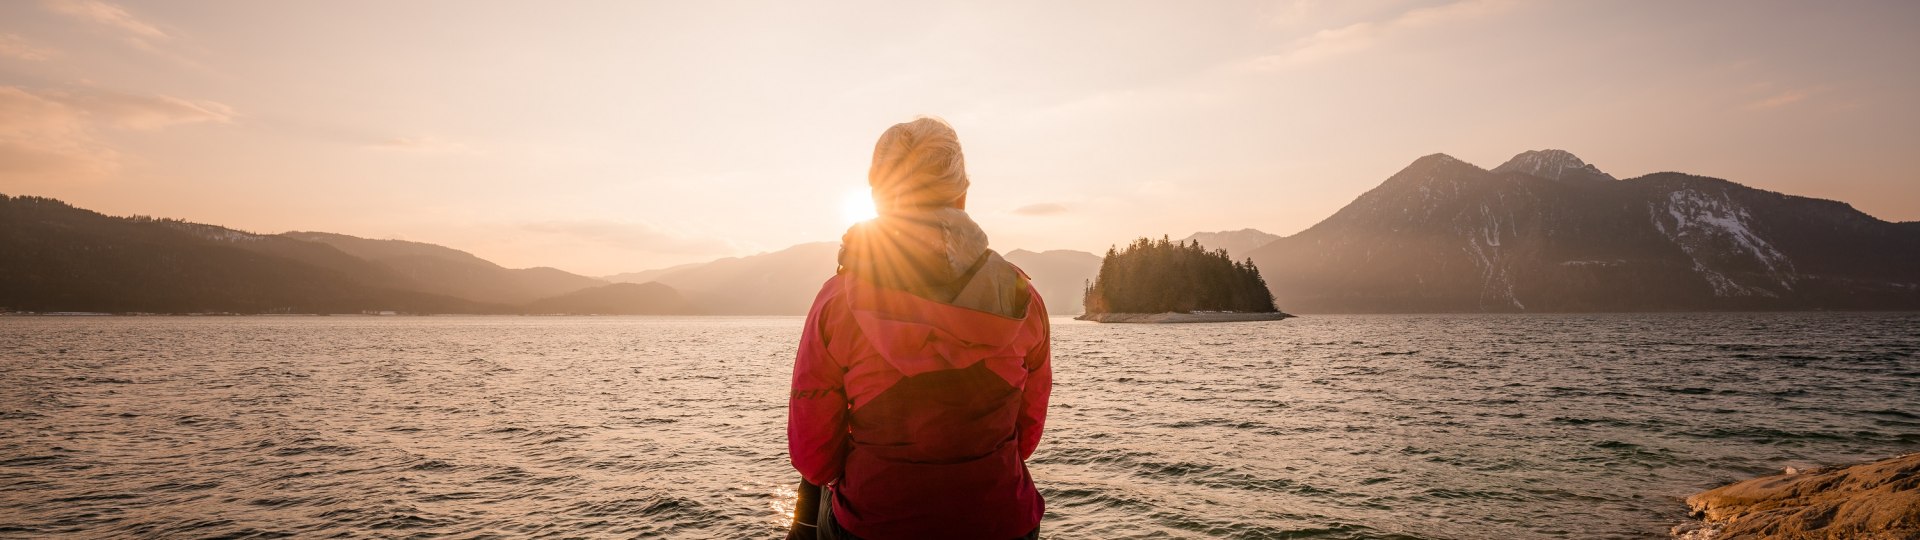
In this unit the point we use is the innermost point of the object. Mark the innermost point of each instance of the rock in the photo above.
(1869, 501)
(1695, 530)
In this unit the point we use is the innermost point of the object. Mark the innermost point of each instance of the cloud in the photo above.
(429, 145)
(632, 236)
(1780, 100)
(1289, 11)
(136, 31)
(41, 136)
(1363, 35)
(1041, 209)
(148, 113)
(19, 48)
(56, 134)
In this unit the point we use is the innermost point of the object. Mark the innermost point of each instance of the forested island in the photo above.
(1166, 281)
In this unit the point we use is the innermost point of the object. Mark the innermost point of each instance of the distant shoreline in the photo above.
(1181, 318)
(1108, 317)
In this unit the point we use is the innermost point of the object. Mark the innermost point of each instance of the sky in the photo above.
(606, 137)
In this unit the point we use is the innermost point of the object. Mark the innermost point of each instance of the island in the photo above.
(1161, 281)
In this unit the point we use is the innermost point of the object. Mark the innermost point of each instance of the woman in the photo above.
(922, 377)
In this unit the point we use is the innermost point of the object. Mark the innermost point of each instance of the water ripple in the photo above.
(1363, 427)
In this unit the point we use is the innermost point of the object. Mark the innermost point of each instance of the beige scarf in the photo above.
(922, 250)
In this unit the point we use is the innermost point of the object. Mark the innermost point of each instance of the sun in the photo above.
(856, 205)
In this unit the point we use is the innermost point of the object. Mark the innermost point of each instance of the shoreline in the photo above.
(1181, 318)
(1876, 499)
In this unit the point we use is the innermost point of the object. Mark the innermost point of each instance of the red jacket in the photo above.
(922, 413)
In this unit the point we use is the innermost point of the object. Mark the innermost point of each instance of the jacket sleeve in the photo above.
(817, 407)
(1033, 406)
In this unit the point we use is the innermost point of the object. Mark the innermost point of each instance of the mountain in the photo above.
(321, 255)
(451, 272)
(1552, 165)
(1060, 275)
(616, 299)
(645, 276)
(1237, 243)
(777, 283)
(1548, 232)
(785, 282)
(62, 258)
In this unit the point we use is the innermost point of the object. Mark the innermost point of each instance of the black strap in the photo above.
(960, 283)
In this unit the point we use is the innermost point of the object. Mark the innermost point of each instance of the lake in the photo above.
(1409, 426)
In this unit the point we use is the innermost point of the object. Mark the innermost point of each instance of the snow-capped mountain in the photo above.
(1552, 165)
(1534, 235)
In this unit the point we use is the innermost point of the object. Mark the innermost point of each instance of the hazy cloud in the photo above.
(43, 137)
(430, 145)
(1781, 99)
(135, 30)
(55, 134)
(1365, 34)
(1041, 209)
(1289, 11)
(147, 113)
(19, 48)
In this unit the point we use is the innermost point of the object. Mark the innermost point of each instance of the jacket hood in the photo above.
(917, 335)
(928, 294)
(920, 247)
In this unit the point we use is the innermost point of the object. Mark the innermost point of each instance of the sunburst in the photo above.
(856, 205)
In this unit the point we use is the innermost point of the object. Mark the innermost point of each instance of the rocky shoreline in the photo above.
(1869, 501)
(1175, 318)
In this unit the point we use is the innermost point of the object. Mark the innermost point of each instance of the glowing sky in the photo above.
(621, 136)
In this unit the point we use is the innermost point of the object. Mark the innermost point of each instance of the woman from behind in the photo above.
(920, 386)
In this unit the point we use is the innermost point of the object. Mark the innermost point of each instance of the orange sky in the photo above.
(621, 136)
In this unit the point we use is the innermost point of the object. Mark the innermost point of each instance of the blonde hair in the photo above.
(918, 164)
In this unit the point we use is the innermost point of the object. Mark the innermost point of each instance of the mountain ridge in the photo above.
(616, 299)
(1060, 275)
(65, 258)
(1444, 235)
(1553, 164)
(443, 270)
(1238, 244)
(1440, 235)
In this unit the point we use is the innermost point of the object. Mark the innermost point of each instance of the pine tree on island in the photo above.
(1161, 277)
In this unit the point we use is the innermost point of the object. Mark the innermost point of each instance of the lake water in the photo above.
(1452, 426)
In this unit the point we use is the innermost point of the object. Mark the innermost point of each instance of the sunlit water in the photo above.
(1318, 427)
